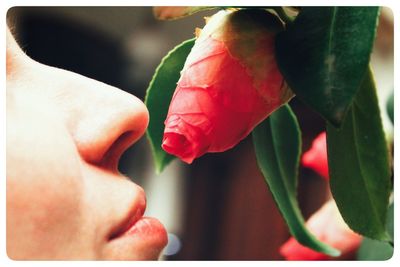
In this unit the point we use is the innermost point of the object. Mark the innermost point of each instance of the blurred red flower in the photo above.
(328, 226)
(229, 84)
(316, 157)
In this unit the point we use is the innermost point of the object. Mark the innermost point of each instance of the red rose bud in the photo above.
(328, 226)
(230, 82)
(316, 157)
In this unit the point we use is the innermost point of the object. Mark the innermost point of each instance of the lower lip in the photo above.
(150, 229)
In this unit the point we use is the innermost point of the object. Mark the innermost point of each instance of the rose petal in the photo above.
(222, 96)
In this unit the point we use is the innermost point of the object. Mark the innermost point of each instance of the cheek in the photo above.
(44, 186)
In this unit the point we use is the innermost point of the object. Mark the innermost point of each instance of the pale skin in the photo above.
(65, 197)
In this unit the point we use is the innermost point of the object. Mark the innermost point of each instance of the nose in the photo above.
(103, 120)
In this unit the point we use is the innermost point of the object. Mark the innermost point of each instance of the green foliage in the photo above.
(324, 55)
(359, 165)
(158, 97)
(374, 250)
(390, 107)
(277, 144)
(377, 250)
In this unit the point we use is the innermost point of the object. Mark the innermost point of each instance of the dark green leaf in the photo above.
(158, 97)
(277, 144)
(359, 166)
(378, 250)
(324, 55)
(390, 108)
(374, 250)
(390, 221)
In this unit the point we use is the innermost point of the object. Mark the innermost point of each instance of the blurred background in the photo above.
(218, 208)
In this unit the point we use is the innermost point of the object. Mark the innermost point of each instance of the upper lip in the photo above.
(135, 212)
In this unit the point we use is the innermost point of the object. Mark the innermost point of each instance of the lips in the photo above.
(136, 232)
(146, 226)
(132, 217)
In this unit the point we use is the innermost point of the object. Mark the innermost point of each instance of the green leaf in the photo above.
(359, 165)
(177, 12)
(324, 55)
(390, 221)
(390, 107)
(159, 95)
(277, 144)
(378, 250)
(374, 250)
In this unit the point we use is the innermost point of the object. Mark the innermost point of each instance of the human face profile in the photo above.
(65, 197)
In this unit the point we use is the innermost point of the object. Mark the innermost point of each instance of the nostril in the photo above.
(112, 155)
